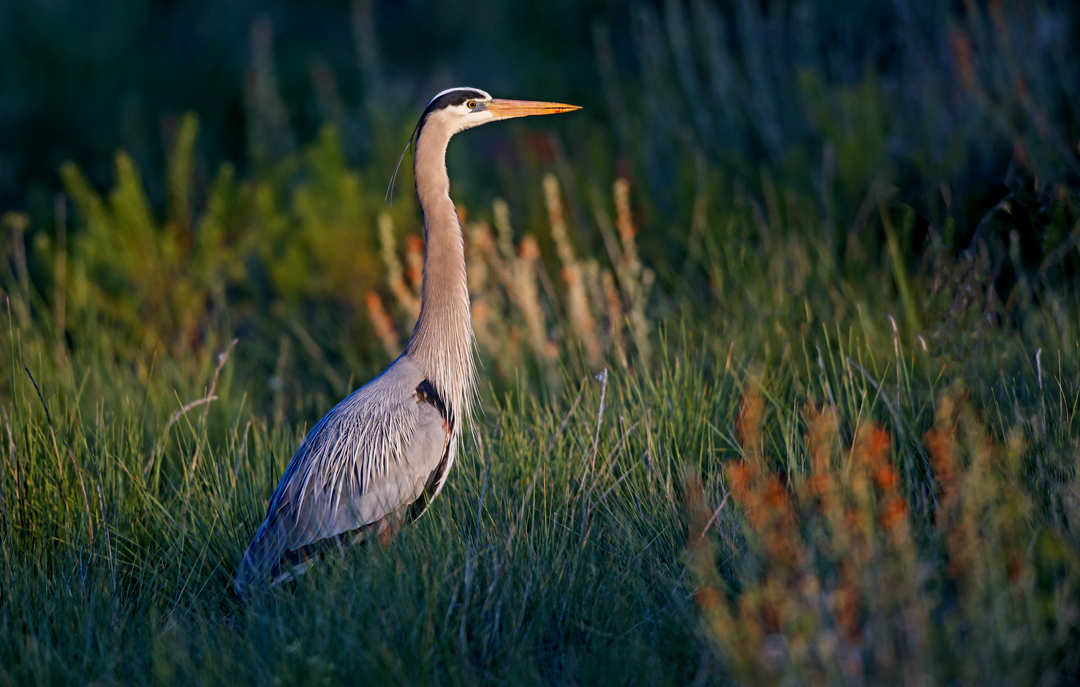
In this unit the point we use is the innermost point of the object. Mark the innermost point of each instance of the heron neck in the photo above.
(442, 341)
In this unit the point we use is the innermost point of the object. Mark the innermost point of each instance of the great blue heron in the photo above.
(379, 457)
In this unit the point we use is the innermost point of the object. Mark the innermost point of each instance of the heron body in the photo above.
(379, 457)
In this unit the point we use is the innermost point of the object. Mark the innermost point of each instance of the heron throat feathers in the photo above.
(442, 341)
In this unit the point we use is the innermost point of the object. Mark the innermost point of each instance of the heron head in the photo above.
(457, 109)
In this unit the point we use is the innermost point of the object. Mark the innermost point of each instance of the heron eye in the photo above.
(471, 104)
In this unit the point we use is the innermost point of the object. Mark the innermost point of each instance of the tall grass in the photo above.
(596, 535)
(121, 537)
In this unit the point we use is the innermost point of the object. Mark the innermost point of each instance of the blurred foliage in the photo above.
(797, 123)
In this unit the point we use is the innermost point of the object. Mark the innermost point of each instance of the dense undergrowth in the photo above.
(771, 394)
(559, 550)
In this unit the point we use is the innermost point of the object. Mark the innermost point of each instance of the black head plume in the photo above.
(448, 98)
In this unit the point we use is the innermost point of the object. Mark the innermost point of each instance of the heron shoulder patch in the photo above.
(427, 393)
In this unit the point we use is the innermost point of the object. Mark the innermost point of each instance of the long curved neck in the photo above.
(442, 341)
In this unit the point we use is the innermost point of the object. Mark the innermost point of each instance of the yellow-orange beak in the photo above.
(507, 109)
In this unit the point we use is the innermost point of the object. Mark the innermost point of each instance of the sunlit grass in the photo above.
(559, 549)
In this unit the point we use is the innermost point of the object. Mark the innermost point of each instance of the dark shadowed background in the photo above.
(248, 145)
(955, 87)
(214, 124)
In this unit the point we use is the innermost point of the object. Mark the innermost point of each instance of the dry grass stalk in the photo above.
(615, 313)
(480, 257)
(633, 277)
(383, 323)
(222, 358)
(499, 278)
(482, 318)
(498, 252)
(526, 296)
(480, 251)
(581, 318)
(395, 274)
(751, 417)
(501, 212)
(591, 272)
(414, 262)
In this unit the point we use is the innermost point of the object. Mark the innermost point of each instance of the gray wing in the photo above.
(378, 451)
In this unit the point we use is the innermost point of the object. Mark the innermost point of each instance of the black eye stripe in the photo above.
(458, 97)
